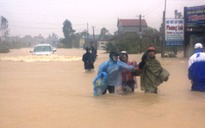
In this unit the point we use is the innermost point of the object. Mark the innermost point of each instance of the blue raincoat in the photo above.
(196, 71)
(100, 83)
(113, 70)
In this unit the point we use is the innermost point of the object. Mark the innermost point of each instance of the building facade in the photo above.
(131, 25)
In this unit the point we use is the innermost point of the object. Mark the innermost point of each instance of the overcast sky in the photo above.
(34, 17)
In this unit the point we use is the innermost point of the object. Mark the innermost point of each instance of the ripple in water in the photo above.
(32, 58)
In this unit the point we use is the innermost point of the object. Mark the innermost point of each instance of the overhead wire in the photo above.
(82, 26)
(152, 9)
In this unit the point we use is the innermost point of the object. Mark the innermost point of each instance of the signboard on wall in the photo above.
(174, 32)
(194, 16)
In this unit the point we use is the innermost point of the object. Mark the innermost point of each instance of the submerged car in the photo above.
(43, 49)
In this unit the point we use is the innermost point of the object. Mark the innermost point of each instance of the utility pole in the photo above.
(163, 29)
(140, 23)
(140, 32)
(94, 43)
(87, 40)
(93, 33)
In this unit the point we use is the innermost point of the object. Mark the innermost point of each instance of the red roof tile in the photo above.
(131, 22)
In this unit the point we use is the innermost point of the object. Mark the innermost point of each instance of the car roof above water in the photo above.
(42, 45)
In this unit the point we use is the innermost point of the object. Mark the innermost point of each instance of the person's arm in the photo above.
(83, 58)
(190, 68)
(141, 65)
(102, 67)
(143, 61)
(190, 73)
(126, 66)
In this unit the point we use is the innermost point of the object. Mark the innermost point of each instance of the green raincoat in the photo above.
(152, 75)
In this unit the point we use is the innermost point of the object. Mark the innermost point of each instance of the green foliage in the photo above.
(130, 42)
(67, 29)
(127, 42)
(67, 43)
(84, 34)
(111, 47)
(103, 34)
(151, 37)
(76, 41)
(4, 28)
(4, 48)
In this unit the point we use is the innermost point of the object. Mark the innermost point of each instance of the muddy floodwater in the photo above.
(56, 92)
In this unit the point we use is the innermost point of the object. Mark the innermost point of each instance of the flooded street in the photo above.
(56, 92)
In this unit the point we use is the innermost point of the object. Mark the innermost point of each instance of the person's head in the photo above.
(114, 56)
(92, 48)
(198, 47)
(151, 51)
(124, 56)
(87, 50)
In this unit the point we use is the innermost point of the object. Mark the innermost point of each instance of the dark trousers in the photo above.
(111, 89)
(88, 65)
(130, 84)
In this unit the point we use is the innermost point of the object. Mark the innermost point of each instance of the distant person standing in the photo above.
(196, 68)
(88, 60)
(152, 74)
(94, 52)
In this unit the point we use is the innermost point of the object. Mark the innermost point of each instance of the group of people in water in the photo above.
(121, 73)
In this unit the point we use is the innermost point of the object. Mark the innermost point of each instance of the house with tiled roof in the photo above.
(131, 25)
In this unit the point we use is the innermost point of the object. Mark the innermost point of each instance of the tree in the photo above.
(127, 42)
(151, 38)
(27, 41)
(130, 41)
(4, 32)
(76, 40)
(4, 28)
(103, 33)
(177, 15)
(52, 39)
(84, 34)
(68, 34)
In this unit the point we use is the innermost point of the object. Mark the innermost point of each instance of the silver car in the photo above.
(43, 49)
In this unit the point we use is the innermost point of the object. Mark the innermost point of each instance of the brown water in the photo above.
(56, 92)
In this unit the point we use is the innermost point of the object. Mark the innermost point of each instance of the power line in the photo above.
(149, 12)
(24, 27)
(153, 8)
